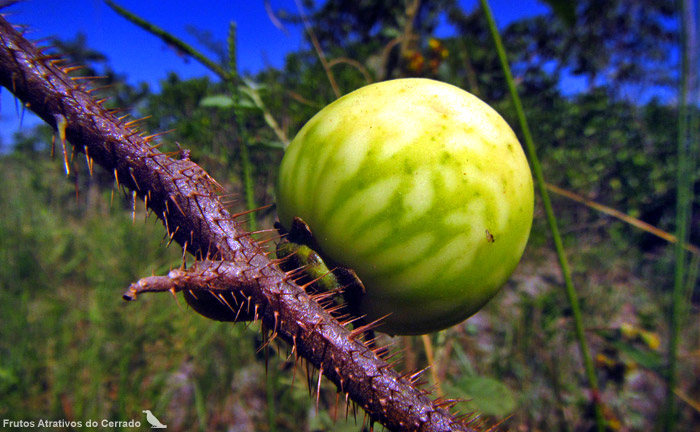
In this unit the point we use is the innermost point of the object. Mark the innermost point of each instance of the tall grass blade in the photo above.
(231, 77)
(551, 219)
(247, 174)
(169, 39)
(687, 153)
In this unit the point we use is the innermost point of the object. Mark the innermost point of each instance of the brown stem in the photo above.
(185, 197)
(408, 36)
(319, 50)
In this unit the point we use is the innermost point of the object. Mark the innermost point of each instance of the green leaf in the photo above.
(487, 395)
(252, 85)
(224, 101)
(270, 144)
(218, 101)
(646, 358)
(247, 104)
(250, 93)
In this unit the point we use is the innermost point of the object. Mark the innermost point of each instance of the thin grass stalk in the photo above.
(695, 250)
(192, 52)
(319, 50)
(198, 221)
(246, 166)
(200, 407)
(231, 77)
(270, 392)
(169, 39)
(551, 218)
(691, 280)
(429, 353)
(687, 138)
(355, 64)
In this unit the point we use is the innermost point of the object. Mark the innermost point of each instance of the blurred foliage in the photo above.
(618, 44)
(69, 247)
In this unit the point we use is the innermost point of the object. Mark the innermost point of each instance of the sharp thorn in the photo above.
(61, 124)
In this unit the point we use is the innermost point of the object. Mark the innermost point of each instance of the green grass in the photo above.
(71, 348)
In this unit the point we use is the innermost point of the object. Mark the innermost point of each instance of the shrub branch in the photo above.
(186, 199)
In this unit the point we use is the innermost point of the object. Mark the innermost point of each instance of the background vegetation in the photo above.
(69, 246)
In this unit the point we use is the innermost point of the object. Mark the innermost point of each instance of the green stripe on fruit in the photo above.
(419, 187)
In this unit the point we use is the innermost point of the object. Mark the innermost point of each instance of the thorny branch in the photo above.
(185, 198)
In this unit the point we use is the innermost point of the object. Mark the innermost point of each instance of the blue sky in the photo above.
(142, 57)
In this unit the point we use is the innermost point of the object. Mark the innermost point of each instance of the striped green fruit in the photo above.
(419, 187)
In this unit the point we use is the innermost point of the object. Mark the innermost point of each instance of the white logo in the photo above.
(155, 423)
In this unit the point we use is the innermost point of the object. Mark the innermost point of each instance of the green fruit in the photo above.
(419, 187)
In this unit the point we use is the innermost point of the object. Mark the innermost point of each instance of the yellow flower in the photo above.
(651, 339)
(628, 331)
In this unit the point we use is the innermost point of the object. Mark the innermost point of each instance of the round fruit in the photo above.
(419, 187)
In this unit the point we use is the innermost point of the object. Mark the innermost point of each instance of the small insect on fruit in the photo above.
(399, 181)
